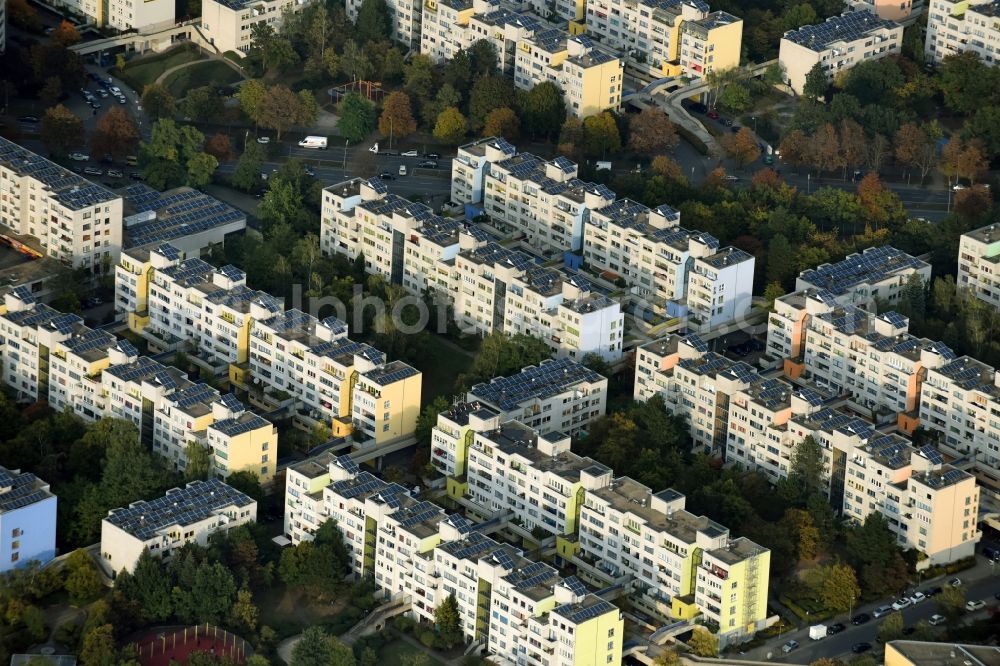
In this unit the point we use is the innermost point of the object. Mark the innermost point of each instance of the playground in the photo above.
(159, 647)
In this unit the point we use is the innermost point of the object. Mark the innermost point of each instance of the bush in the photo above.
(404, 623)
(428, 638)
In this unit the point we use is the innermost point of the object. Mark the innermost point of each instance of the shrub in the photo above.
(428, 638)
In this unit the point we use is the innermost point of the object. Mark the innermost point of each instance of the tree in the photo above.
(916, 146)
(967, 83)
(279, 109)
(836, 585)
(98, 647)
(501, 122)
(149, 586)
(543, 109)
(806, 468)
(450, 127)
(428, 419)
(219, 147)
(200, 168)
(157, 102)
(488, 93)
(317, 649)
(374, 21)
(83, 583)
(246, 176)
(735, 99)
(668, 657)
(501, 355)
(244, 612)
(397, 116)
(199, 461)
(600, 135)
(985, 128)
(780, 261)
(961, 159)
(741, 146)
(308, 109)
(116, 134)
(357, 117)
(871, 542)
(447, 621)
(61, 130)
(950, 602)
(794, 148)
(65, 34)
(879, 205)
(799, 525)
(891, 628)
(203, 104)
(816, 84)
(703, 643)
(250, 96)
(51, 92)
(651, 131)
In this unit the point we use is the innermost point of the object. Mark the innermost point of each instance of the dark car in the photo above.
(28, 119)
(735, 128)
(930, 592)
(835, 629)
(427, 164)
(432, 156)
(93, 77)
(136, 176)
(860, 618)
(698, 107)
(728, 122)
(860, 648)
(908, 631)
(385, 175)
(991, 553)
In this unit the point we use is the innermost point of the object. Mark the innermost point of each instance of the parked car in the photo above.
(955, 582)
(937, 619)
(835, 628)
(136, 176)
(93, 171)
(122, 100)
(94, 104)
(698, 107)
(102, 93)
(973, 606)
(263, 140)
(402, 169)
(881, 611)
(79, 157)
(713, 114)
(28, 119)
(931, 591)
(860, 618)
(93, 77)
(731, 178)
(917, 597)
(900, 604)
(860, 648)
(410, 153)
(116, 90)
(385, 175)
(789, 646)
(115, 173)
(432, 156)
(991, 553)
(428, 164)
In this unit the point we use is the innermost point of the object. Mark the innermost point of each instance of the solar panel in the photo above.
(896, 319)
(575, 586)
(233, 273)
(232, 403)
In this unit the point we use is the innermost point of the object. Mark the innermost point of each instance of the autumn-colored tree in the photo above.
(973, 202)
(916, 146)
(715, 178)
(824, 149)
(651, 131)
(219, 147)
(879, 204)
(116, 134)
(600, 135)
(852, 143)
(668, 168)
(741, 147)
(24, 15)
(157, 101)
(51, 92)
(397, 116)
(61, 130)
(65, 34)
(766, 179)
(794, 148)
(961, 159)
(502, 122)
(450, 127)
(571, 138)
(877, 150)
(279, 109)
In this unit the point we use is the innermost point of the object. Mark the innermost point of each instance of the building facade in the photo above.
(979, 264)
(27, 520)
(228, 24)
(958, 27)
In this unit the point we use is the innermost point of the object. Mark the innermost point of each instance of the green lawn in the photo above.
(394, 653)
(440, 366)
(212, 73)
(143, 71)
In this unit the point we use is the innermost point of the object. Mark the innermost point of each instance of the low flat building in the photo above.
(162, 526)
(877, 273)
(837, 44)
(27, 520)
(979, 264)
(921, 653)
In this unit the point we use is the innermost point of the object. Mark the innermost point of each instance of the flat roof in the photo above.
(872, 266)
(154, 217)
(70, 190)
(922, 653)
(549, 378)
(847, 27)
(20, 489)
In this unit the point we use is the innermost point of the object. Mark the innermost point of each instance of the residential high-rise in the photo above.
(27, 520)
(979, 264)
(962, 26)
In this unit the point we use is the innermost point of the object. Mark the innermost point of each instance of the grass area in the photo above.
(399, 652)
(141, 72)
(440, 366)
(212, 73)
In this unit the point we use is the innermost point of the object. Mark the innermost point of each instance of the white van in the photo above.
(318, 142)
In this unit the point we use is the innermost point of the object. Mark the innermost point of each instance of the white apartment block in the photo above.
(471, 165)
(877, 273)
(70, 218)
(491, 288)
(27, 520)
(837, 44)
(228, 24)
(557, 395)
(693, 382)
(536, 476)
(518, 609)
(959, 27)
(145, 16)
(454, 433)
(979, 264)
(677, 559)
(163, 525)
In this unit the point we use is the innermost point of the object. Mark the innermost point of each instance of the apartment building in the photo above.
(73, 220)
(894, 10)
(878, 273)
(29, 331)
(681, 564)
(75, 368)
(386, 402)
(693, 382)
(557, 395)
(517, 608)
(163, 525)
(979, 264)
(837, 44)
(471, 165)
(489, 286)
(960, 400)
(27, 520)
(122, 15)
(711, 44)
(406, 17)
(228, 24)
(536, 476)
(454, 433)
(959, 27)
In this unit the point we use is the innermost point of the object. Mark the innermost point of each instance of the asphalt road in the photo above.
(977, 583)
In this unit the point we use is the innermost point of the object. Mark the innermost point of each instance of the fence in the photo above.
(177, 644)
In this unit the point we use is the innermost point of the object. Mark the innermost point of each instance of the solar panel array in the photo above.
(178, 214)
(578, 613)
(23, 294)
(420, 512)
(246, 422)
(90, 340)
(194, 395)
(19, 490)
(472, 546)
(847, 27)
(895, 319)
(127, 348)
(871, 266)
(575, 585)
(967, 373)
(232, 403)
(197, 501)
(503, 558)
(169, 252)
(772, 393)
(390, 373)
(893, 451)
(536, 573)
(362, 484)
(931, 454)
(460, 523)
(189, 271)
(70, 190)
(944, 478)
(542, 381)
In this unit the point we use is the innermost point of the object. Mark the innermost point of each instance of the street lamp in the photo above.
(754, 124)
